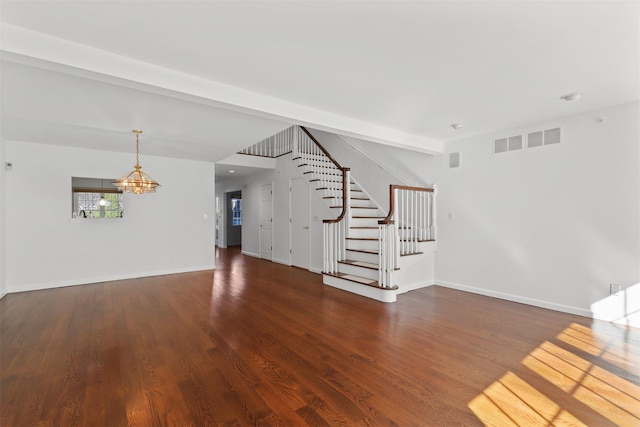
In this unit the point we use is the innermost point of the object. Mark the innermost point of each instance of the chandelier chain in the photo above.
(137, 149)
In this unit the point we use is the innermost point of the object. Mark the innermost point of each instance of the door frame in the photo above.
(229, 217)
(291, 221)
(260, 221)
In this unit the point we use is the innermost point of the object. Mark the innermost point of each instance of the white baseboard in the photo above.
(516, 298)
(315, 270)
(414, 286)
(280, 261)
(250, 254)
(101, 279)
(2, 295)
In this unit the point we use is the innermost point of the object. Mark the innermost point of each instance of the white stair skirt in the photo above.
(379, 294)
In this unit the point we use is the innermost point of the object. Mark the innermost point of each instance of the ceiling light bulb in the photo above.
(457, 126)
(571, 96)
(232, 171)
(103, 201)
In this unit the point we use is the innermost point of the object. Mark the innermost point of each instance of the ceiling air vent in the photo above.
(454, 160)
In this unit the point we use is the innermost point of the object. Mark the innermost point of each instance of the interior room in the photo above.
(320, 213)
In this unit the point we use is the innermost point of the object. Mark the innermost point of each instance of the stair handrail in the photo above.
(324, 150)
(335, 231)
(346, 193)
(345, 178)
(415, 218)
(392, 187)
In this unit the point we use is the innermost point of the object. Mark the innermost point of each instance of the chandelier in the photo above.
(136, 182)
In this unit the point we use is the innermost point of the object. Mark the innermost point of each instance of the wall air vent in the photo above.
(515, 143)
(535, 139)
(543, 137)
(511, 143)
(500, 145)
(454, 160)
(552, 136)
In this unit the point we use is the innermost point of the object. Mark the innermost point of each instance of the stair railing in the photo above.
(411, 220)
(275, 146)
(335, 181)
(335, 231)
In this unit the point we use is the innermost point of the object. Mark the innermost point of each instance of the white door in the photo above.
(266, 221)
(299, 206)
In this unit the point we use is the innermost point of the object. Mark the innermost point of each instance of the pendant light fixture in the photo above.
(136, 182)
(103, 201)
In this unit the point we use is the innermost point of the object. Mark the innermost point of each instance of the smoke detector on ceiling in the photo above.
(573, 96)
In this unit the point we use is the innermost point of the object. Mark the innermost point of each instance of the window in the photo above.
(236, 210)
(93, 199)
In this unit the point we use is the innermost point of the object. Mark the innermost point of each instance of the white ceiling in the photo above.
(204, 79)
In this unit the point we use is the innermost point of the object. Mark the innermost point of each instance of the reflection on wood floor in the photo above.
(259, 343)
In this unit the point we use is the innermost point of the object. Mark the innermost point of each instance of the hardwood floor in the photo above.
(259, 343)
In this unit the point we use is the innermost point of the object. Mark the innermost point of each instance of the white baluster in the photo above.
(346, 199)
(325, 248)
(380, 255)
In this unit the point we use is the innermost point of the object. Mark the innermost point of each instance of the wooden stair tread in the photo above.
(352, 198)
(358, 207)
(361, 280)
(339, 189)
(375, 252)
(362, 264)
(362, 238)
(368, 217)
(364, 228)
(318, 166)
(365, 251)
(313, 160)
(326, 180)
(412, 253)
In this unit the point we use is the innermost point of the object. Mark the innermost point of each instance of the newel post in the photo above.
(294, 142)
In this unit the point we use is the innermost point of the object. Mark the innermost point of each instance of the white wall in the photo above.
(550, 226)
(163, 232)
(3, 229)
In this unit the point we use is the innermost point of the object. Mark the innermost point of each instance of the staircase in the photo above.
(367, 250)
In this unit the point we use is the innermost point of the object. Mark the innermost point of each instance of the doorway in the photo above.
(300, 210)
(234, 218)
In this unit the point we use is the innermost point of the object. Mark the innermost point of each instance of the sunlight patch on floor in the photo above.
(512, 401)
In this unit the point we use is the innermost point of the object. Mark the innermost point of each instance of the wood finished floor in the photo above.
(258, 343)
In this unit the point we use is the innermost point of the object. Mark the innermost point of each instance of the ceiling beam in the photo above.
(37, 49)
